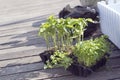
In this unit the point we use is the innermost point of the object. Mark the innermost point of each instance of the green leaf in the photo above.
(90, 20)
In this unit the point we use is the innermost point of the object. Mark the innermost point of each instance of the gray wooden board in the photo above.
(22, 65)
(39, 8)
(37, 51)
(101, 75)
(24, 22)
(26, 7)
(21, 30)
(61, 74)
(21, 54)
(11, 4)
(113, 63)
(18, 49)
(14, 44)
(21, 68)
(39, 74)
(34, 6)
(20, 61)
(32, 54)
(19, 37)
(115, 53)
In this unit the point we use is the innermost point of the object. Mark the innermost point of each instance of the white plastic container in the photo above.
(110, 20)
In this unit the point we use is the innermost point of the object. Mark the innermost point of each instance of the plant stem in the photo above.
(47, 43)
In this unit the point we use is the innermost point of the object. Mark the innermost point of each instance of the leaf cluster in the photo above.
(62, 31)
(90, 51)
(59, 59)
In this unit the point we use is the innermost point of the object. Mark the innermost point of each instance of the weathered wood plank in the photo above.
(37, 75)
(19, 37)
(9, 20)
(23, 4)
(101, 75)
(9, 60)
(24, 22)
(19, 14)
(69, 77)
(21, 68)
(113, 63)
(36, 66)
(36, 51)
(11, 64)
(21, 54)
(23, 48)
(61, 74)
(18, 31)
(38, 42)
(115, 54)
(20, 61)
(23, 29)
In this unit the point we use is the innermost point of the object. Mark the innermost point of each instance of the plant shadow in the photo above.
(27, 37)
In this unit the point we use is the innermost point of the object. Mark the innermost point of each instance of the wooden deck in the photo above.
(20, 46)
